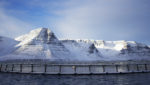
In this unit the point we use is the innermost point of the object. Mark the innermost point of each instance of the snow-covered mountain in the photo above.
(118, 50)
(39, 44)
(42, 43)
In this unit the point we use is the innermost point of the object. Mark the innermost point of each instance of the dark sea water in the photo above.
(113, 79)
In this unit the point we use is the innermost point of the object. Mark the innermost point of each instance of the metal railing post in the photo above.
(31, 67)
(45, 70)
(20, 67)
(145, 67)
(128, 68)
(6, 67)
(90, 69)
(137, 67)
(59, 69)
(12, 68)
(116, 68)
(103, 68)
(0, 67)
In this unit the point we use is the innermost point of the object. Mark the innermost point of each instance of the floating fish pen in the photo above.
(57, 68)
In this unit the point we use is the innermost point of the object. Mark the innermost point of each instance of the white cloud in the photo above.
(97, 19)
(11, 26)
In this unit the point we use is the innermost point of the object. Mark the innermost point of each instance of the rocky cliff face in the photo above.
(136, 49)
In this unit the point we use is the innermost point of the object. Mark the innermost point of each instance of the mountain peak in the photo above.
(40, 35)
(42, 29)
(44, 34)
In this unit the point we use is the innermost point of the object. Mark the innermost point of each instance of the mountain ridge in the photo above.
(42, 43)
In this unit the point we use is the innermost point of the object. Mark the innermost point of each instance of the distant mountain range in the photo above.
(42, 43)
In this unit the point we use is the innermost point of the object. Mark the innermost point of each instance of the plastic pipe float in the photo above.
(74, 69)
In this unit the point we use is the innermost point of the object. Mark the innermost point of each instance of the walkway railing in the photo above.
(74, 69)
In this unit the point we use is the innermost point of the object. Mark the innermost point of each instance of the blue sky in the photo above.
(78, 19)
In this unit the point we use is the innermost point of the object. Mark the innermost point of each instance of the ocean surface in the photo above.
(37, 79)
